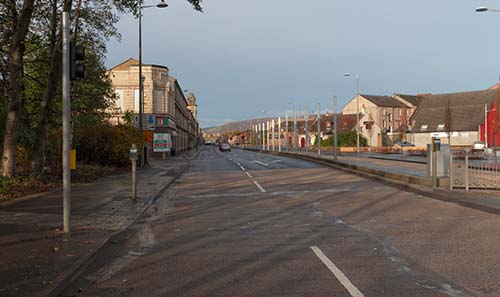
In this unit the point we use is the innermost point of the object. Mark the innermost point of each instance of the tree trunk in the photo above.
(39, 151)
(40, 145)
(14, 86)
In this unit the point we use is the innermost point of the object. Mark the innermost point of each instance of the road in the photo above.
(242, 223)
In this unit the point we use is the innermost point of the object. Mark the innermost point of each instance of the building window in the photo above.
(389, 117)
(136, 101)
(383, 111)
(158, 101)
(408, 112)
(424, 127)
(440, 127)
(119, 99)
(383, 124)
(399, 111)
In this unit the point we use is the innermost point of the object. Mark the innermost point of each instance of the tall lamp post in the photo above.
(486, 9)
(357, 110)
(162, 4)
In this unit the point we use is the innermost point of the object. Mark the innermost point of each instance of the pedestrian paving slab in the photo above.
(36, 255)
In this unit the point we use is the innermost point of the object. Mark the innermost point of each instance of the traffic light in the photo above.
(77, 55)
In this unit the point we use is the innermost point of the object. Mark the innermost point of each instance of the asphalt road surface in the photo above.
(242, 223)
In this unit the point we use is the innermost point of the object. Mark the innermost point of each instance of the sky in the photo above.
(261, 58)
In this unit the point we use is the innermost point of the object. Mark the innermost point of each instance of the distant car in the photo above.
(478, 146)
(225, 147)
(403, 144)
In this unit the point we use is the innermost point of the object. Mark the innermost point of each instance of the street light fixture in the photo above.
(162, 4)
(357, 110)
(485, 9)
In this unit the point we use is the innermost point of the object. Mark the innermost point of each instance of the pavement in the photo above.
(36, 257)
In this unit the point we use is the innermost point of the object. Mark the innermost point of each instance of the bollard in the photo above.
(466, 173)
(451, 171)
(133, 158)
(434, 170)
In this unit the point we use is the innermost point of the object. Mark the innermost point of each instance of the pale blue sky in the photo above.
(241, 58)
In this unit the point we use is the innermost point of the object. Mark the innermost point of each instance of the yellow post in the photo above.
(72, 159)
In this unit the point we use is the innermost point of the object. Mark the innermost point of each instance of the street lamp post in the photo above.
(306, 119)
(335, 127)
(357, 111)
(279, 134)
(319, 130)
(162, 4)
(286, 131)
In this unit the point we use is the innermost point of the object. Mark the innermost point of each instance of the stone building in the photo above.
(165, 110)
(383, 120)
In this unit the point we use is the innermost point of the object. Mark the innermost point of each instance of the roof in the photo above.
(383, 101)
(125, 65)
(466, 110)
(412, 99)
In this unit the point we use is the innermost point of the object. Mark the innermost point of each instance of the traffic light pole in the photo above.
(66, 90)
(141, 90)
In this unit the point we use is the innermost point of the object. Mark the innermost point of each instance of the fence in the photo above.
(479, 174)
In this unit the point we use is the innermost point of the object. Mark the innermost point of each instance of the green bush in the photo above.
(345, 139)
(107, 145)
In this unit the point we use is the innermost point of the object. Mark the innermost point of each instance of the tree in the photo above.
(18, 21)
(448, 121)
(31, 102)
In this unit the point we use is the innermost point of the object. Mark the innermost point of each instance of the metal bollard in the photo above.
(466, 173)
(451, 171)
(133, 158)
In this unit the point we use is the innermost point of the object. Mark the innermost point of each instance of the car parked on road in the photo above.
(403, 144)
(224, 147)
(478, 146)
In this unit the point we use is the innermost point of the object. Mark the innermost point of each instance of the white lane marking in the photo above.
(248, 174)
(261, 163)
(277, 193)
(259, 186)
(223, 195)
(276, 161)
(338, 274)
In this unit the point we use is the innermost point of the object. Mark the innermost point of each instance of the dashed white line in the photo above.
(259, 186)
(249, 175)
(338, 274)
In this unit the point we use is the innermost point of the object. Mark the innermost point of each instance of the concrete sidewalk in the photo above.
(407, 175)
(36, 257)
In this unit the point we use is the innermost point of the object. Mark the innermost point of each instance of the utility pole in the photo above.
(66, 90)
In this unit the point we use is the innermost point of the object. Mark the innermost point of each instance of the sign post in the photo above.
(436, 147)
(133, 158)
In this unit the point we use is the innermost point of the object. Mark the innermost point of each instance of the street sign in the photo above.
(162, 142)
(161, 121)
(150, 122)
